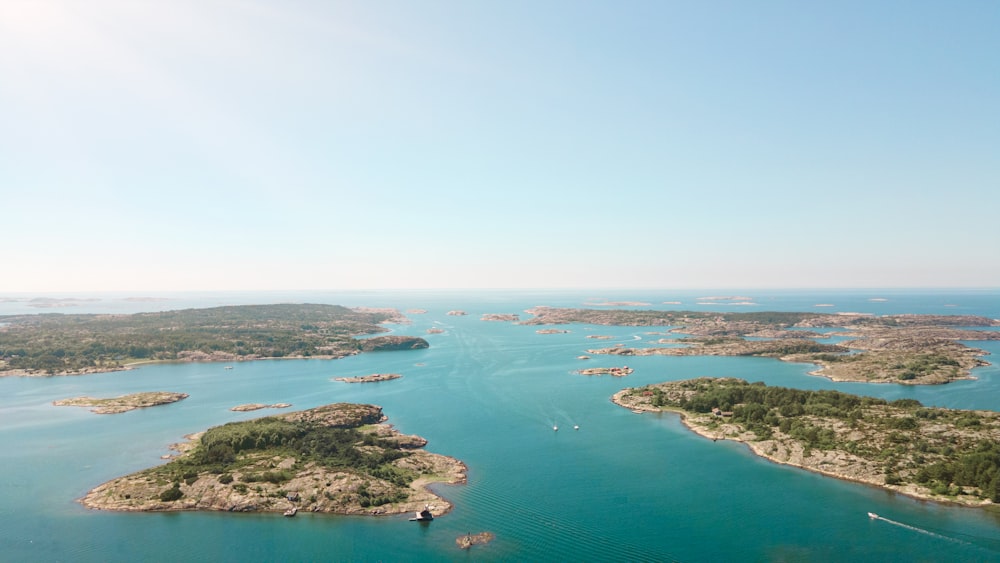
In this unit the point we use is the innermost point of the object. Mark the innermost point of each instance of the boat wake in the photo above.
(874, 516)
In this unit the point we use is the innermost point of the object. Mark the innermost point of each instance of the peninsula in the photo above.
(124, 403)
(339, 458)
(58, 344)
(936, 454)
(907, 349)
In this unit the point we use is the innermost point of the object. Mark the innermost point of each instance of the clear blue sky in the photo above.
(203, 144)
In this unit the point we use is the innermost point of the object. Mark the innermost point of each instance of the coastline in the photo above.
(762, 448)
(276, 480)
(139, 363)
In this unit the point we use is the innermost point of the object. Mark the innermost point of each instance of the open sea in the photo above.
(624, 487)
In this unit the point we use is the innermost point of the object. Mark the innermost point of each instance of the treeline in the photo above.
(55, 343)
(756, 398)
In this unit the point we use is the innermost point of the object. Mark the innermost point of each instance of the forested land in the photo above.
(61, 343)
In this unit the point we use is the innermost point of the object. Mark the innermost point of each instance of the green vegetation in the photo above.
(237, 447)
(172, 494)
(926, 364)
(950, 453)
(263, 456)
(57, 343)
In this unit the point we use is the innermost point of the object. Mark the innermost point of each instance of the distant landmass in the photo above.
(907, 349)
(61, 344)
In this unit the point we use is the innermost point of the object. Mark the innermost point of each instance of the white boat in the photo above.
(872, 515)
(555, 428)
(576, 427)
(291, 512)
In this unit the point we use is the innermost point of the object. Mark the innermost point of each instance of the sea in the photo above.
(621, 487)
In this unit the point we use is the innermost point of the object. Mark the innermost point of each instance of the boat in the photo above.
(423, 515)
(576, 427)
(228, 367)
(555, 428)
(291, 512)
(873, 516)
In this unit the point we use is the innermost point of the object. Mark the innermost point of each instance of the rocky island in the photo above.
(501, 317)
(124, 403)
(469, 540)
(929, 453)
(58, 344)
(338, 458)
(615, 371)
(906, 349)
(369, 378)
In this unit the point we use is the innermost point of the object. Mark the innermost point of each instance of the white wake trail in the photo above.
(916, 529)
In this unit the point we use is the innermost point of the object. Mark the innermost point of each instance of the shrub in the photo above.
(172, 494)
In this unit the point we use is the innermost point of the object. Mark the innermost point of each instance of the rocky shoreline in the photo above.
(272, 480)
(868, 467)
(258, 406)
(124, 403)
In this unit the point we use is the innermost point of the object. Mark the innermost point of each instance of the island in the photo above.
(258, 406)
(551, 331)
(905, 349)
(435, 330)
(615, 371)
(340, 459)
(61, 344)
(469, 540)
(501, 317)
(369, 378)
(457, 313)
(123, 403)
(929, 453)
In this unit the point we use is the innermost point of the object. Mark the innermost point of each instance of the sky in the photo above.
(277, 145)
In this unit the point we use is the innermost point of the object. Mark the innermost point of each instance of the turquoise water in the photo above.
(623, 487)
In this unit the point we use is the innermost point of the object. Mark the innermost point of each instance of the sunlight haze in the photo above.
(256, 145)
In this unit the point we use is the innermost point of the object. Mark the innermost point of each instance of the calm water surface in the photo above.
(623, 487)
